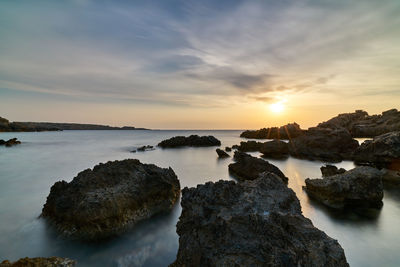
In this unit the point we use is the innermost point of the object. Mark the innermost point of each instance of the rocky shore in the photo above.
(193, 141)
(253, 223)
(110, 198)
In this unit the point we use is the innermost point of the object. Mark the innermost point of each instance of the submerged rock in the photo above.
(383, 151)
(360, 124)
(287, 131)
(329, 170)
(10, 142)
(254, 223)
(323, 144)
(275, 149)
(110, 198)
(40, 262)
(361, 186)
(221, 153)
(193, 140)
(247, 167)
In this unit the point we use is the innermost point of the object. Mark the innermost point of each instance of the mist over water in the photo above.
(27, 171)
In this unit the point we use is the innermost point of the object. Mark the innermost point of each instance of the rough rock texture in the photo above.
(228, 149)
(361, 186)
(110, 198)
(193, 140)
(39, 262)
(254, 223)
(249, 146)
(323, 144)
(383, 151)
(287, 131)
(275, 149)
(10, 142)
(329, 170)
(360, 124)
(247, 167)
(221, 153)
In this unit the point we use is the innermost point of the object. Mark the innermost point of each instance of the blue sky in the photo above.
(197, 64)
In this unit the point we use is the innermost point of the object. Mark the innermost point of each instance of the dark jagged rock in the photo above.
(221, 153)
(254, 223)
(329, 170)
(249, 146)
(40, 262)
(361, 186)
(193, 140)
(275, 149)
(287, 131)
(10, 142)
(228, 149)
(332, 145)
(360, 124)
(110, 198)
(247, 167)
(383, 151)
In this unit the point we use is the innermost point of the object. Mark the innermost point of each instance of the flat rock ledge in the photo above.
(254, 223)
(359, 187)
(110, 198)
(193, 141)
(40, 262)
(248, 167)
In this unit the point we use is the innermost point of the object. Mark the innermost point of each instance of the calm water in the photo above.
(29, 170)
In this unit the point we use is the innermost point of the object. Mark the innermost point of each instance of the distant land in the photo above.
(7, 126)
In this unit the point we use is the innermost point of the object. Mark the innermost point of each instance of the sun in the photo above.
(277, 107)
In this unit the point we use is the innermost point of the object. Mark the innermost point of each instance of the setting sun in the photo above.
(277, 107)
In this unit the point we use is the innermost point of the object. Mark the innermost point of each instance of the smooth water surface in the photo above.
(29, 170)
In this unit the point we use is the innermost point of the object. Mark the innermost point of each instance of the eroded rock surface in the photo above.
(253, 223)
(40, 262)
(110, 198)
(247, 167)
(329, 170)
(287, 131)
(332, 145)
(383, 151)
(193, 140)
(361, 186)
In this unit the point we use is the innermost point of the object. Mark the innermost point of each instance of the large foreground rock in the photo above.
(110, 198)
(332, 145)
(360, 124)
(287, 131)
(193, 140)
(361, 186)
(247, 167)
(39, 262)
(254, 223)
(383, 151)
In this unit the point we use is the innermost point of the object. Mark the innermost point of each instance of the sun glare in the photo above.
(277, 107)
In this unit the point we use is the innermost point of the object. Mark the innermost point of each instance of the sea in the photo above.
(27, 172)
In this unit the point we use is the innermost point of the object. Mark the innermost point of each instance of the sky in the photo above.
(197, 64)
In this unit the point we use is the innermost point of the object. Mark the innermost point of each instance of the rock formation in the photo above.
(228, 149)
(247, 167)
(329, 170)
(360, 124)
(275, 149)
(253, 223)
(323, 144)
(287, 131)
(39, 262)
(10, 142)
(110, 198)
(361, 186)
(383, 151)
(221, 153)
(193, 140)
(249, 146)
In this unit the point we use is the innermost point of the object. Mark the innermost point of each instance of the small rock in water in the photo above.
(193, 141)
(221, 153)
(228, 149)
